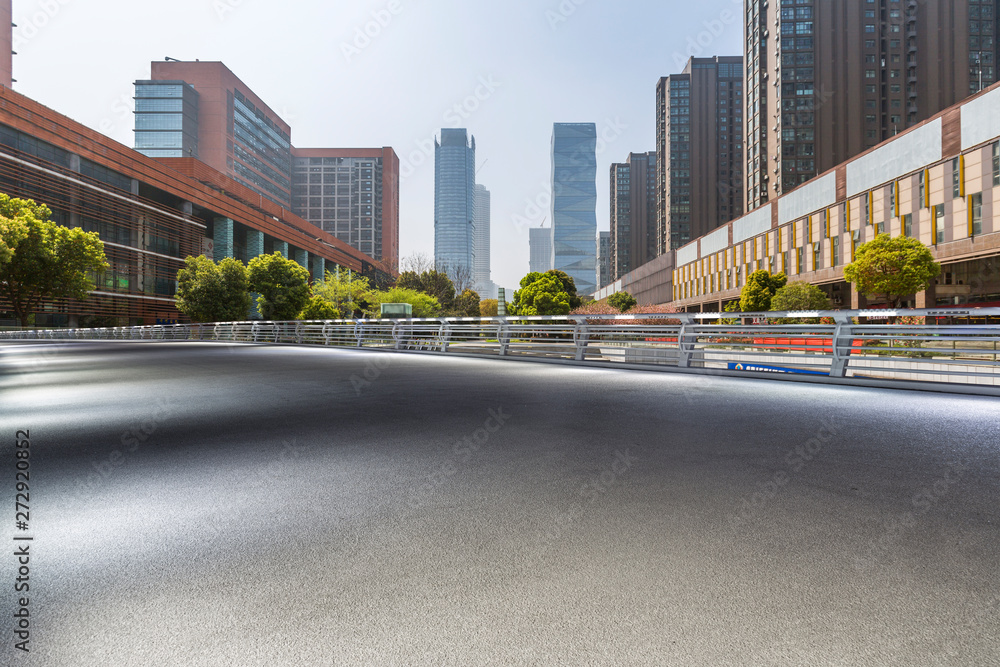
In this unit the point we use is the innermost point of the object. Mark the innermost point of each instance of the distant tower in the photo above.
(481, 242)
(454, 200)
(574, 203)
(540, 244)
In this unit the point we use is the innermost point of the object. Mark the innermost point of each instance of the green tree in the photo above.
(318, 308)
(466, 304)
(210, 292)
(435, 283)
(488, 308)
(760, 289)
(549, 293)
(622, 301)
(424, 305)
(800, 296)
(283, 286)
(346, 291)
(892, 268)
(41, 260)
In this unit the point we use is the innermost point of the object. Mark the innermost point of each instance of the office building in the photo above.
(540, 249)
(699, 149)
(827, 80)
(236, 133)
(352, 194)
(6, 45)
(633, 199)
(454, 202)
(574, 203)
(604, 259)
(481, 244)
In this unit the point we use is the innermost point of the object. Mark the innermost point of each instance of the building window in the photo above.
(956, 177)
(835, 250)
(996, 163)
(976, 214)
(938, 235)
(908, 225)
(922, 189)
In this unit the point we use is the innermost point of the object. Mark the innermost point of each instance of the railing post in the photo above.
(444, 334)
(503, 336)
(359, 332)
(843, 343)
(581, 338)
(298, 333)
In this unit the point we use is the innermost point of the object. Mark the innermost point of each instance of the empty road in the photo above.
(209, 504)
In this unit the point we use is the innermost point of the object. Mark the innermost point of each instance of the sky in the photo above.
(372, 73)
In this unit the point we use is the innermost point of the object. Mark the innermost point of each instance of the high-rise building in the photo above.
(699, 149)
(633, 213)
(454, 201)
(574, 203)
(481, 243)
(6, 45)
(604, 259)
(540, 246)
(829, 79)
(353, 194)
(237, 133)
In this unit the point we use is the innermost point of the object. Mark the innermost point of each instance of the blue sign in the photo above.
(760, 368)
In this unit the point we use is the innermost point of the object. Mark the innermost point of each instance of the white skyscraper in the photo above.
(481, 245)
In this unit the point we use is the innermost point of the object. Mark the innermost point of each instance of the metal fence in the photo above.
(846, 345)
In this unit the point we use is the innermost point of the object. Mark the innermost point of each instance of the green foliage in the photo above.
(760, 289)
(622, 301)
(319, 308)
(348, 293)
(210, 292)
(488, 308)
(892, 268)
(549, 293)
(434, 283)
(283, 286)
(800, 296)
(466, 304)
(40, 260)
(424, 305)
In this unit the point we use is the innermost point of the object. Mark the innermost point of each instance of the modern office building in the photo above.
(150, 213)
(604, 259)
(633, 199)
(540, 249)
(481, 270)
(353, 194)
(827, 80)
(454, 201)
(236, 133)
(938, 182)
(699, 149)
(6, 45)
(574, 203)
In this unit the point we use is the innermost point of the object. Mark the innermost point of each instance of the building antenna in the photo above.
(481, 166)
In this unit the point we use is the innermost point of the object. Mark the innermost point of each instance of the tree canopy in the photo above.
(760, 289)
(424, 305)
(800, 296)
(283, 286)
(622, 301)
(549, 293)
(347, 292)
(431, 282)
(488, 308)
(892, 268)
(466, 304)
(210, 292)
(41, 260)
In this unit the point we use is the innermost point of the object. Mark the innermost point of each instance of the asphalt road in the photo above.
(205, 504)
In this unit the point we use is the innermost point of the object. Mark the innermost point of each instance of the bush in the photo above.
(623, 301)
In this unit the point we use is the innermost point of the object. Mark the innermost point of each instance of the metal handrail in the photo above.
(699, 342)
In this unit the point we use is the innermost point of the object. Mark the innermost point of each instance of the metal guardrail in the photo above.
(832, 344)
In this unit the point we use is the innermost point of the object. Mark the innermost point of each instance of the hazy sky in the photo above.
(505, 69)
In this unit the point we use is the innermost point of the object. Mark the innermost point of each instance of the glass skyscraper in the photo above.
(574, 203)
(166, 119)
(454, 201)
